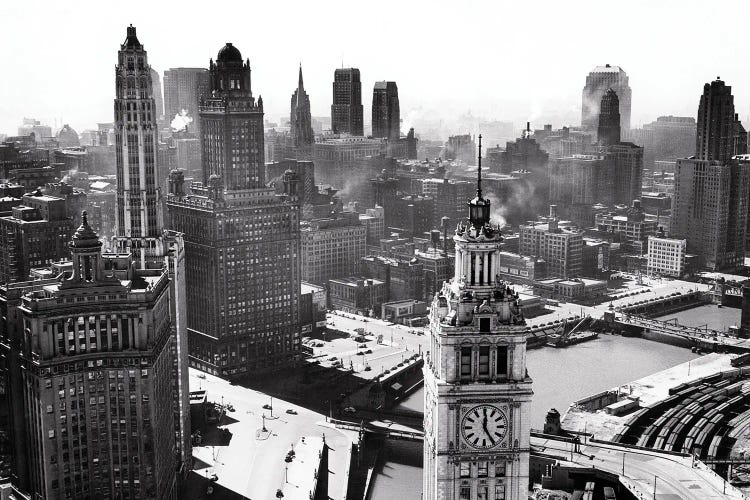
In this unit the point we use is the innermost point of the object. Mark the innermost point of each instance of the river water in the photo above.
(560, 376)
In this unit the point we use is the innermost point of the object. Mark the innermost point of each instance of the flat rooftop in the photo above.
(253, 463)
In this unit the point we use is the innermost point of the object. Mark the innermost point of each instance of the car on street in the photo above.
(291, 411)
(350, 410)
(267, 407)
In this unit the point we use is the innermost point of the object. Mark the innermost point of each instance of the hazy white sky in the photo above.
(498, 59)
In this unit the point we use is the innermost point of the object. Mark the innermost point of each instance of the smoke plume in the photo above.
(181, 121)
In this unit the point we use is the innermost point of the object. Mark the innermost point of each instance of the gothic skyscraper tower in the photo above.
(477, 390)
(300, 118)
(136, 137)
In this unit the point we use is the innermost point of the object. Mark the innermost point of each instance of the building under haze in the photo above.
(346, 110)
(386, 114)
(710, 203)
(90, 359)
(242, 239)
(183, 88)
(300, 119)
(601, 79)
(157, 93)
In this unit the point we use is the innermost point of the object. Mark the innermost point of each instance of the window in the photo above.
(500, 492)
(482, 493)
(465, 493)
(465, 362)
(499, 469)
(502, 361)
(482, 469)
(465, 470)
(484, 361)
(484, 325)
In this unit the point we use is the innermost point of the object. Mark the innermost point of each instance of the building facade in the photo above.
(332, 247)
(477, 390)
(35, 234)
(242, 239)
(666, 256)
(561, 247)
(92, 354)
(346, 110)
(386, 113)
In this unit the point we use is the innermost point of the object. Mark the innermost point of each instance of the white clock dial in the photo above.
(484, 426)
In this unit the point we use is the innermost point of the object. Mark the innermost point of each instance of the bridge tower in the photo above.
(477, 391)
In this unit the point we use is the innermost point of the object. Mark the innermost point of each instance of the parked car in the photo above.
(291, 411)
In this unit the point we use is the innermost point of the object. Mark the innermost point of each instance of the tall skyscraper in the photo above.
(136, 137)
(140, 231)
(158, 94)
(300, 119)
(346, 110)
(386, 114)
(714, 139)
(598, 82)
(609, 119)
(242, 240)
(90, 359)
(711, 191)
(183, 88)
(476, 388)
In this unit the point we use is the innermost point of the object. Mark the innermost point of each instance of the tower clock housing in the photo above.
(477, 391)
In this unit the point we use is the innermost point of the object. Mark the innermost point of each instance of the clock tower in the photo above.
(476, 388)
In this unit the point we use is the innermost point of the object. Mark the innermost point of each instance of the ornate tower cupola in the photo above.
(85, 252)
(479, 207)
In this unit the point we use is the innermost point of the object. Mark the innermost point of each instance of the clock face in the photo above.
(484, 426)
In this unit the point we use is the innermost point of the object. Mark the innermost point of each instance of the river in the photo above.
(560, 376)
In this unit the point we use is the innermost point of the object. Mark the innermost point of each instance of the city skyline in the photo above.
(439, 77)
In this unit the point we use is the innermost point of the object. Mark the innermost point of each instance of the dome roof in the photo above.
(229, 53)
(67, 136)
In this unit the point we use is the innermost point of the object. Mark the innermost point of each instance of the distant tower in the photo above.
(136, 138)
(597, 83)
(346, 110)
(232, 124)
(386, 114)
(609, 119)
(716, 120)
(477, 391)
(300, 119)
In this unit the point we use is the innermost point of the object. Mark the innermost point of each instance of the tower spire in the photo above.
(479, 170)
(299, 82)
